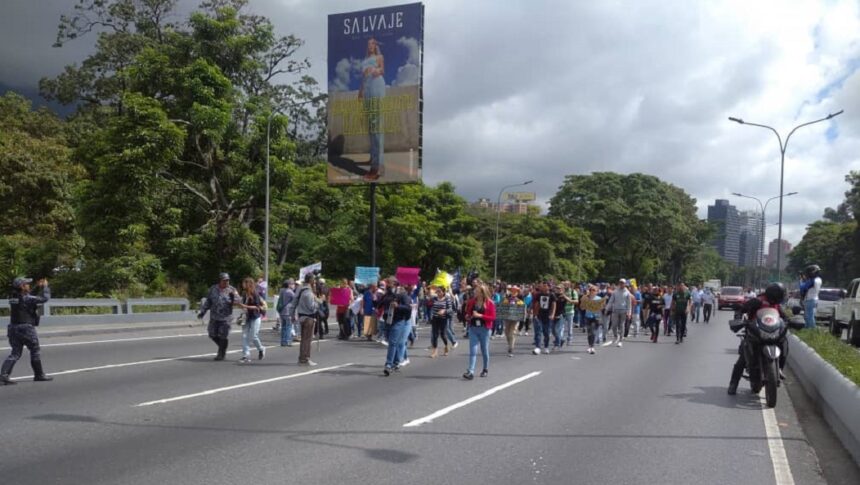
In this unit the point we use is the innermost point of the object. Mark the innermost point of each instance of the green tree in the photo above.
(642, 226)
(829, 245)
(37, 223)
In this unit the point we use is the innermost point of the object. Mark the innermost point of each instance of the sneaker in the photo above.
(244, 360)
(383, 342)
(619, 344)
(455, 345)
(526, 334)
(309, 363)
(484, 373)
(468, 376)
(261, 354)
(536, 351)
(405, 363)
(386, 372)
(546, 351)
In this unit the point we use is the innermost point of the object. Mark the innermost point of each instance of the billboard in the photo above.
(375, 68)
(520, 196)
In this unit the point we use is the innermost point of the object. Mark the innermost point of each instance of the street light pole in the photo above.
(782, 148)
(763, 208)
(266, 235)
(498, 218)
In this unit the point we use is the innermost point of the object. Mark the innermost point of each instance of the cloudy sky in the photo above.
(539, 89)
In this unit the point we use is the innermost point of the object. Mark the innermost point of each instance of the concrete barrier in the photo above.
(133, 302)
(837, 397)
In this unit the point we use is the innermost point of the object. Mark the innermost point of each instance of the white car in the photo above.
(828, 298)
(846, 314)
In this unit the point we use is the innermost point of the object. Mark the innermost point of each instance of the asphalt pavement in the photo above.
(152, 407)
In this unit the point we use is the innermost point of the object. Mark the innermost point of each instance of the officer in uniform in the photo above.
(220, 302)
(23, 321)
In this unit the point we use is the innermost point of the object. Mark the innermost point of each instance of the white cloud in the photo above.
(344, 70)
(409, 73)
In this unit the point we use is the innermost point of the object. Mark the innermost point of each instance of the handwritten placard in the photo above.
(366, 275)
(339, 296)
(407, 276)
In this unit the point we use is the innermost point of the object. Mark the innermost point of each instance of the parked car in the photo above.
(828, 298)
(846, 314)
(731, 297)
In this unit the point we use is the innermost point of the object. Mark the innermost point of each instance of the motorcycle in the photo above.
(761, 340)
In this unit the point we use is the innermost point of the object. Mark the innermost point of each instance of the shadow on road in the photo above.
(717, 396)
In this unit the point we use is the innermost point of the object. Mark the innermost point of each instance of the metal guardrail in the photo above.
(133, 302)
(83, 302)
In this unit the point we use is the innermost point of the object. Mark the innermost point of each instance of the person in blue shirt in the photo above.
(369, 309)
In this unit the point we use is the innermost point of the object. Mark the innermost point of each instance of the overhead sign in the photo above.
(375, 72)
(520, 196)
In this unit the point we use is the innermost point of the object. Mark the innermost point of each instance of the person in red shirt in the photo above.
(480, 315)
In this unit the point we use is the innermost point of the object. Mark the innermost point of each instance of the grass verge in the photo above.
(844, 357)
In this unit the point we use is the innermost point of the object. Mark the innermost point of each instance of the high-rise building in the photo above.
(750, 225)
(724, 217)
(771, 253)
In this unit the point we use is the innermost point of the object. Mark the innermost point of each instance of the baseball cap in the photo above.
(622, 281)
(223, 276)
(20, 281)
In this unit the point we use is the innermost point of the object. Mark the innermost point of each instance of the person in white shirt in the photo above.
(708, 301)
(810, 285)
(620, 306)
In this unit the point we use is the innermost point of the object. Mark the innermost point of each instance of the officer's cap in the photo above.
(20, 281)
(223, 276)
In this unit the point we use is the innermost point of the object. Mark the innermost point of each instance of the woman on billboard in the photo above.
(372, 90)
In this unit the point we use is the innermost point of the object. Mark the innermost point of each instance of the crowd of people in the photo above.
(547, 312)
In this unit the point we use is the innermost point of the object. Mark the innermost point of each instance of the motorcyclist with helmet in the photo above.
(810, 285)
(773, 297)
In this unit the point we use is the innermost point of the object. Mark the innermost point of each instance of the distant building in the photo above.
(725, 218)
(512, 203)
(750, 244)
(771, 253)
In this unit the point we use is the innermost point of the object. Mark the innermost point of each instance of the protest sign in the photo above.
(309, 269)
(339, 296)
(407, 276)
(507, 311)
(366, 275)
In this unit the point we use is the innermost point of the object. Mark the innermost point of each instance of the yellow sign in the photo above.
(520, 196)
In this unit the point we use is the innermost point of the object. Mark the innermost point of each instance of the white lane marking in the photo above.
(131, 364)
(240, 386)
(487, 393)
(781, 468)
(117, 340)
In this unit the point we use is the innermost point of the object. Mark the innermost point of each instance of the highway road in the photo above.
(152, 407)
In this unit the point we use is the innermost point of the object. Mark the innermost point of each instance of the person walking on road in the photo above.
(513, 298)
(696, 295)
(592, 306)
(708, 301)
(544, 307)
(286, 304)
(400, 309)
(620, 306)
(440, 312)
(307, 310)
(481, 313)
(682, 302)
(255, 307)
(23, 320)
(220, 302)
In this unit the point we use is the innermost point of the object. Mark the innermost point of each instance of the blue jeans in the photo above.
(557, 331)
(397, 333)
(287, 332)
(542, 331)
(809, 307)
(251, 332)
(381, 330)
(479, 336)
(568, 326)
(450, 331)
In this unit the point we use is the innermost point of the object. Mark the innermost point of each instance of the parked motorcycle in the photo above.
(761, 340)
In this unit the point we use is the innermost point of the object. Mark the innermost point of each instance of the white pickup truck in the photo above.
(846, 314)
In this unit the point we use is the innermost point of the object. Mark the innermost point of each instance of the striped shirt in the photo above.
(442, 304)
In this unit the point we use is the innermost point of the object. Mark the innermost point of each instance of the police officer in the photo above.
(773, 296)
(220, 302)
(23, 321)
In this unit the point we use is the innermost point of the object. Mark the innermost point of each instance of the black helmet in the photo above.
(775, 293)
(812, 270)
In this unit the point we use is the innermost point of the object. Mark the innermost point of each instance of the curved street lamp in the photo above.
(782, 147)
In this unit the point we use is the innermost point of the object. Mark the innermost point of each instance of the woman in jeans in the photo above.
(254, 307)
(480, 314)
(592, 306)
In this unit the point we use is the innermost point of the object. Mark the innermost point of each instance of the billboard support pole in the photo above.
(373, 224)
